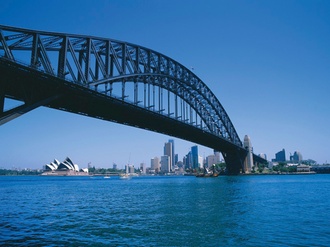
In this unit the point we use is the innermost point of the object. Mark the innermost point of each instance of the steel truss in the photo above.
(158, 82)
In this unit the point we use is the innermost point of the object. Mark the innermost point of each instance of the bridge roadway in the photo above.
(40, 89)
(113, 81)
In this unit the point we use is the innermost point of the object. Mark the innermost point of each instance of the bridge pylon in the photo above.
(234, 161)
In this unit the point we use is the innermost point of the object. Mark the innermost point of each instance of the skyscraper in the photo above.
(143, 168)
(155, 165)
(194, 156)
(187, 161)
(173, 153)
(213, 159)
(168, 152)
(165, 164)
(248, 163)
(296, 157)
(280, 156)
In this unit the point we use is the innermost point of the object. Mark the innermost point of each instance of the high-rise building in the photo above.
(176, 159)
(217, 156)
(165, 163)
(194, 156)
(210, 160)
(154, 164)
(248, 163)
(143, 168)
(129, 169)
(280, 156)
(296, 157)
(168, 152)
(173, 153)
(200, 161)
(213, 159)
(187, 161)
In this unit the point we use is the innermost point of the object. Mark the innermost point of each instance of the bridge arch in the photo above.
(100, 64)
(98, 72)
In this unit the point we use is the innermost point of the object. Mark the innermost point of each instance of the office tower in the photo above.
(194, 156)
(168, 152)
(165, 164)
(217, 157)
(187, 161)
(200, 161)
(296, 157)
(248, 163)
(131, 169)
(155, 165)
(280, 156)
(213, 159)
(172, 153)
(210, 160)
(143, 168)
(176, 159)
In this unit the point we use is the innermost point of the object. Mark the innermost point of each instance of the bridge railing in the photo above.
(122, 70)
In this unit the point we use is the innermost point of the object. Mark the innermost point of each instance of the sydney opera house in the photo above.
(65, 168)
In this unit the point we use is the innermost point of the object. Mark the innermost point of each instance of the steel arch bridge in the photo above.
(115, 81)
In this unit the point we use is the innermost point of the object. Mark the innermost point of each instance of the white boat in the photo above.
(124, 176)
(107, 177)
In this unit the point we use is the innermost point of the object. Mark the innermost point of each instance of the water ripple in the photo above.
(162, 211)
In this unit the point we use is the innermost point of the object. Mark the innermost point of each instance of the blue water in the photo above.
(270, 210)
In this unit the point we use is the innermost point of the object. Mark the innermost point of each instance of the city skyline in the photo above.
(267, 62)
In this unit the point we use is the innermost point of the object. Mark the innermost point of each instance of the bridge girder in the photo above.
(84, 72)
(99, 64)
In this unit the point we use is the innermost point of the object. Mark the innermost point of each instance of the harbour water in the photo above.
(269, 210)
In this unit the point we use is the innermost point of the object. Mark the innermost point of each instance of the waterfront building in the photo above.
(173, 162)
(210, 160)
(67, 167)
(154, 164)
(165, 162)
(296, 157)
(143, 168)
(248, 163)
(129, 169)
(114, 166)
(303, 168)
(280, 156)
(168, 152)
(187, 161)
(194, 156)
(213, 159)
(200, 162)
(217, 157)
(176, 159)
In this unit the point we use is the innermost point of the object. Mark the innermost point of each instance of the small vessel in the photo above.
(208, 174)
(107, 177)
(124, 176)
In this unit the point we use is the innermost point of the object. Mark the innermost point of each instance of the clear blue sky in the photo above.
(268, 62)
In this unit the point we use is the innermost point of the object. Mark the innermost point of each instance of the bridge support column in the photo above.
(234, 162)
